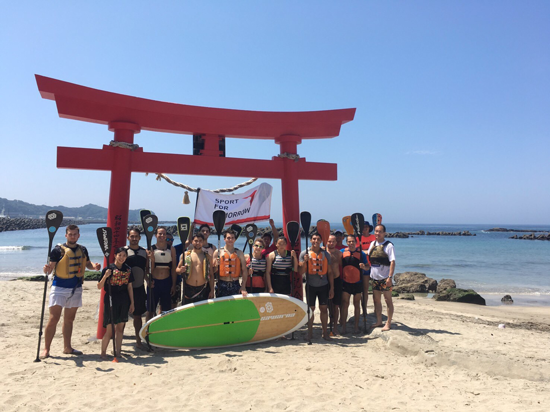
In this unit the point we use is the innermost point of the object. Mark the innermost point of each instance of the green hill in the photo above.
(18, 208)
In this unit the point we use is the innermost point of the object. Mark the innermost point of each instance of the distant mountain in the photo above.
(18, 208)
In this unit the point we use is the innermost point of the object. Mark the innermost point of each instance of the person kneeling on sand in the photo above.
(196, 267)
(382, 260)
(117, 280)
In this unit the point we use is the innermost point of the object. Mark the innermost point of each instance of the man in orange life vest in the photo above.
(231, 265)
(320, 284)
(69, 261)
(354, 263)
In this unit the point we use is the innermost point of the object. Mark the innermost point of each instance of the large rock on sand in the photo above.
(413, 282)
(445, 284)
(460, 295)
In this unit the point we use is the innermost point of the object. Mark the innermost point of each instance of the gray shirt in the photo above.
(314, 279)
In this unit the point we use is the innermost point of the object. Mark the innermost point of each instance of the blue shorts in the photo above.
(161, 293)
(228, 288)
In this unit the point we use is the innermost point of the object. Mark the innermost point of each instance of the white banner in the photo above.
(251, 206)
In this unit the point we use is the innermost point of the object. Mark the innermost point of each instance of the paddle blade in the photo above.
(323, 228)
(150, 223)
(348, 227)
(376, 219)
(293, 232)
(143, 213)
(184, 225)
(250, 231)
(219, 221)
(305, 220)
(105, 239)
(358, 223)
(53, 221)
(237, 229)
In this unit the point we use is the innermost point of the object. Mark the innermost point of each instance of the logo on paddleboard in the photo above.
(268, 307)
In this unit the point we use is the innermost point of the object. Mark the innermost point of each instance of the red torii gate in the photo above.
(127, 115)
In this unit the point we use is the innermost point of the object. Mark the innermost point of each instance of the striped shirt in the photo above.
(282, 265)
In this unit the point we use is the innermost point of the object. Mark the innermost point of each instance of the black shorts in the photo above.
(317, 292)
(281, 284)
(194, 294)
(140, 299)
(337, 299)
(176, 297)
(352, 288)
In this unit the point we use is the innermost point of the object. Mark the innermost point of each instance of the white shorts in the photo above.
(62, 297)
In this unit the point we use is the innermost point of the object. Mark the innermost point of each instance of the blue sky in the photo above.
(452, 98)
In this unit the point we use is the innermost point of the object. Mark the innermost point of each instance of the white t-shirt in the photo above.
(379, 272)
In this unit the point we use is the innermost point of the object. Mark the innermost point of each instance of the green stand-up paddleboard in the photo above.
(227, 321)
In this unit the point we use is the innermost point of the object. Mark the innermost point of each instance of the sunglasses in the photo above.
(257, 245)
(169, 240)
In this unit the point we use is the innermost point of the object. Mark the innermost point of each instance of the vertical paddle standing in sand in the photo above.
(348, 227)
(305, 219)
(358, 222)
(293, 232)
(184, 227)
(104, 237)
(149, 223)
(376, 219)
(323, 228)
(53, 221)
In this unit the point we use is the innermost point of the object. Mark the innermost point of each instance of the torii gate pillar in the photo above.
(289, 180)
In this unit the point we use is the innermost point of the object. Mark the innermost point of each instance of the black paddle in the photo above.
(358, 223)
(149, 223)
(104, 237)
(305, 220)
(293, 232)
(238, 230)
(250, 232)
(219, 222)
(53, 221)
(184, 227)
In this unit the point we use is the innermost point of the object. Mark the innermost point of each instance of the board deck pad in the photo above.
(227, 321)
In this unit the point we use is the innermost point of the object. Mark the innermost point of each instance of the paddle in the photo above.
(250, 232)
(219, 222)
(149, 223)
(293, 232)
(346, 221)
(305, 220)
(358, 222)
(238, 230)
(104, 237)
(53, 221)
(323, 228)
(376, 219)
(184, 227)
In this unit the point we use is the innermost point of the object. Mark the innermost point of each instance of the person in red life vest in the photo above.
(363, 244)
(68, 263)
(354, 263)
(382, 261)
(195, 266)
(254, 277)
(339, 239)
(280, 263)
(336, 264)
(231, 265)
(315, 262)
(119, 277)
(266, 237)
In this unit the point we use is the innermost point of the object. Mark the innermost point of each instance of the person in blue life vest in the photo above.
(382, 261)
(68, 263)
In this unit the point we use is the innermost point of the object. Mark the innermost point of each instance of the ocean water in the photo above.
(490, 262)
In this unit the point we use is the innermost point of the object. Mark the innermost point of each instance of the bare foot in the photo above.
(72, 351)
(356, 330)
(326, 336)
(344, 331)
(104, 356)
(140, 346)
(377, 325)
(45, 354)
(385, 328)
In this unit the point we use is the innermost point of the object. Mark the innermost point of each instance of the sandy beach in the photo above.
(438, 356)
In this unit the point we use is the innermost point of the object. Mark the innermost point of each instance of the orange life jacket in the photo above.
(351, 269)
(317, 264)
(230, 264)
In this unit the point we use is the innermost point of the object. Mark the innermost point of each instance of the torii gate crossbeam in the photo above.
(128, 115)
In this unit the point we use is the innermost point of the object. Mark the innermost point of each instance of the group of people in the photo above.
(197, 271)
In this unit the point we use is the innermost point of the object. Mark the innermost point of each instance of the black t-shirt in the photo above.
(119, 279)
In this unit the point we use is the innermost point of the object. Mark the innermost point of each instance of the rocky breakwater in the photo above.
(405, 235)
(445, 290)
(11, 224)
